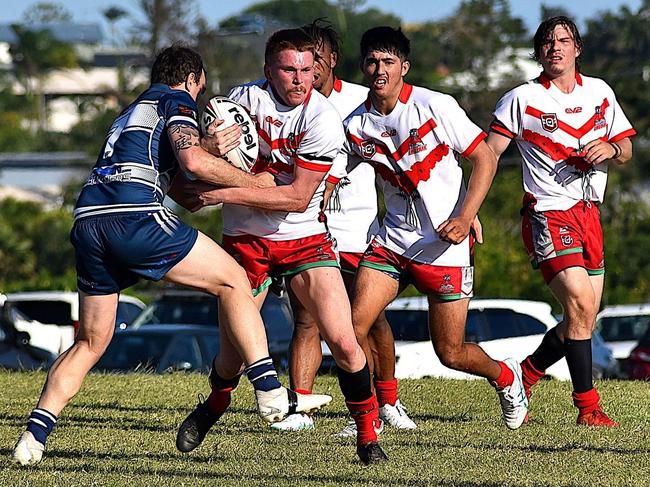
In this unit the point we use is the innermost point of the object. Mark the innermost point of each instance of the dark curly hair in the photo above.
(174, 64)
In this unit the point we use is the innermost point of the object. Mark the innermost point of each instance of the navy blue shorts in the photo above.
(113, 251)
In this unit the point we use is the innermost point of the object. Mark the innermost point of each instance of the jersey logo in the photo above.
(573, 110)
(415, 144)
(368, 148)
(272, 121)
(185, 110)
(549, 121)
(599, 118)
(389, 132)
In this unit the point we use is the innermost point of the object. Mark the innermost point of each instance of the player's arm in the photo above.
(202, 165)
(484, 167)
(294, 197)
(497, 143)
(598, 151)
(329, 189)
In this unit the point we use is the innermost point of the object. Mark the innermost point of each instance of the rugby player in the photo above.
(413, 137)
(568, 128)
(277, 231)
(122, 232)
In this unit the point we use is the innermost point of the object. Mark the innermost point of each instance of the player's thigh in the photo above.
(447, 322)
(302, 318)
(97, 319)
(573, 287)
(322, 292)
(373, 290)
(209, 268)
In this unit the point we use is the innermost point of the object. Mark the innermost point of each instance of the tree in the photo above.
(112, 15)
(34, 53)
(46, 13)
(166, 22)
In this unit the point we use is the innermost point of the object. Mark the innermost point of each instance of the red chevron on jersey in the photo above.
(579, 132)
(551, 129)
(408, 180)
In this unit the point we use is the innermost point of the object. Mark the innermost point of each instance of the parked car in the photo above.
(639, 361)
(502, 327)
(15, 351)
(621, 328)
(53, 316)
(197, 308)
(161, 348)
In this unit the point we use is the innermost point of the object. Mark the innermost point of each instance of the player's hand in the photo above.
(209, 198)
(454, 230)
(477, 229)
(598, 151)
(219, 142)
(265, 180)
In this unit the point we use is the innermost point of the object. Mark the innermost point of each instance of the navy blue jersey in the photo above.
(137, 162)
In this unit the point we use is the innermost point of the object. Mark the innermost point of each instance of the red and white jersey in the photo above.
(352, 209)
(551, 128)
(309, 136)
(414, 153)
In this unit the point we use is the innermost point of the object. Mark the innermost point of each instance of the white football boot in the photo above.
(396, 416)
(514, 402)
(294, 422)
(350, 430)
(28, 450)
(276, 404)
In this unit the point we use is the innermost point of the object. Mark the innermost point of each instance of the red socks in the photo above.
(364, 414)
(506, 377)
(304, 392)
(386, 391)
(219, 400)
(586, 401)
(530, 374)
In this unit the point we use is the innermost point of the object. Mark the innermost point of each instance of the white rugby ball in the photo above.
(244, 155)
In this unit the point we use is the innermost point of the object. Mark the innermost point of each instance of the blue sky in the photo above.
(408, 10)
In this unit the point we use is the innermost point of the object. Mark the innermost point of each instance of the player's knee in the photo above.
(344, 349)
(451, 356)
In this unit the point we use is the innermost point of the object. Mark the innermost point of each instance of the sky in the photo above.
(407, 10)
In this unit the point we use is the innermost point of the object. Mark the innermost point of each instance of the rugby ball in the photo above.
(244, 155)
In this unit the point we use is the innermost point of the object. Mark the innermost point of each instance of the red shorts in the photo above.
(442, 282)
(556, 240)
(262, 258)
(350, 261)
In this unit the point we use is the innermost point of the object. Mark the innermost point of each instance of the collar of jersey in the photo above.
(546, 82)
(404, 96)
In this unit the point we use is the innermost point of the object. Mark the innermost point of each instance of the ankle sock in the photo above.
(386, 391)
(41, 423)
(262, 375)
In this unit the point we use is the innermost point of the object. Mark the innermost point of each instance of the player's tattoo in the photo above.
(184, 137)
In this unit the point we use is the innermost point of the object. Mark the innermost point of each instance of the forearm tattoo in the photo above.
(184, 137)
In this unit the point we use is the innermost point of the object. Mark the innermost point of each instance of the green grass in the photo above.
(120, 430)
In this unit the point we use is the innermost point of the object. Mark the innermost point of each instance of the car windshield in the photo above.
(51, 312)
(180, 310)
(408, 325)
(623, 328)
(129, 351)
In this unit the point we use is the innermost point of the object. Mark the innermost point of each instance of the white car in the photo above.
(622, 327)
(502, 327)
(53, 316)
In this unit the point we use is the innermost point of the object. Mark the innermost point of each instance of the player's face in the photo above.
(383, 73)
(325, 63)
(291, 75)
(559, 52)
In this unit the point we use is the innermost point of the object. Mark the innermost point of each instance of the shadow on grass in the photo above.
(245, 479)
(84, 455)
(533, 448)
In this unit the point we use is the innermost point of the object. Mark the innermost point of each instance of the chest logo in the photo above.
(599, 120)
(573, 110)
(389, 132)
(273, 121)
(549, 121)
(415, 144)
(368, 148)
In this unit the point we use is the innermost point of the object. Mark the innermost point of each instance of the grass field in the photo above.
(120, 430)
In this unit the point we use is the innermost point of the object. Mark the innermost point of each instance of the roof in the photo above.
(625, 310)
(70, 32)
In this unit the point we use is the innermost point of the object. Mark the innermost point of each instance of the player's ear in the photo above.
(267, 72)
(406, 65)
(334, 58)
